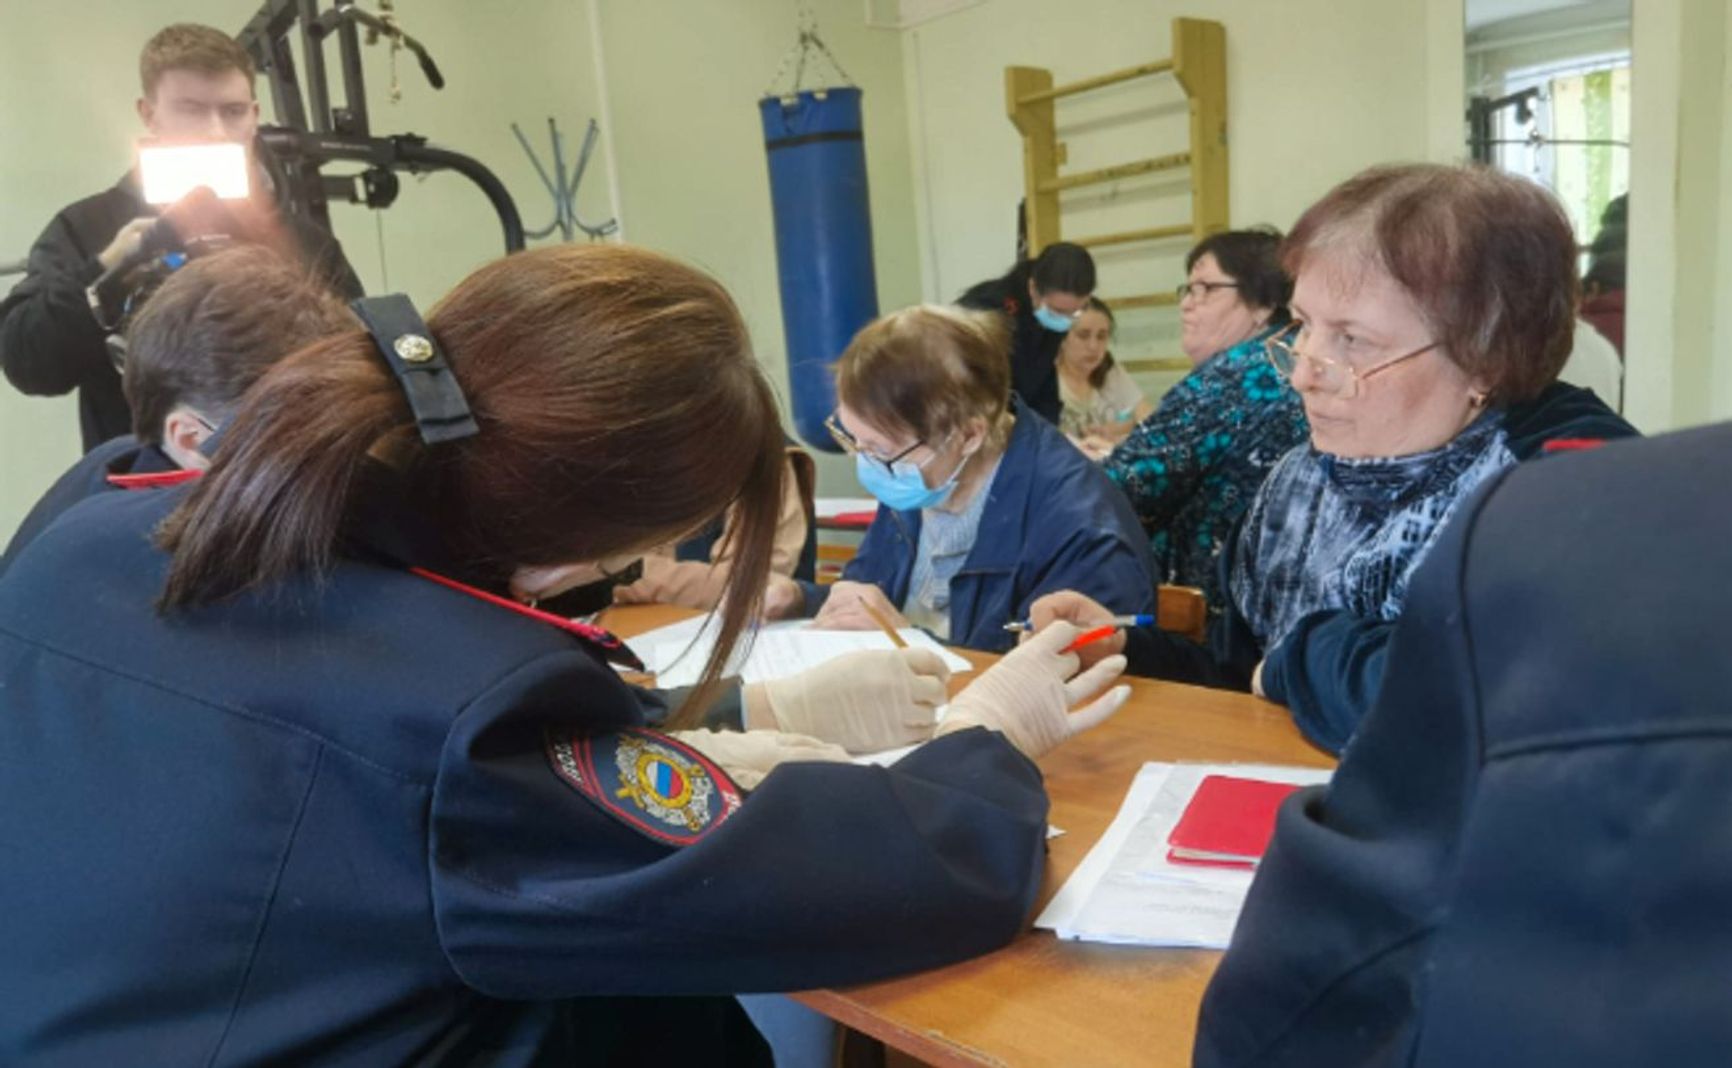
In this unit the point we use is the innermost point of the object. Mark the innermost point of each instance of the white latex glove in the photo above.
(748, 756)
(866, 701)
(1026, 695)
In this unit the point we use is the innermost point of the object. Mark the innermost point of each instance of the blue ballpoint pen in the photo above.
(1019, 626)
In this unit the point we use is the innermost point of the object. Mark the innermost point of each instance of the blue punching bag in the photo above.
(823, 241)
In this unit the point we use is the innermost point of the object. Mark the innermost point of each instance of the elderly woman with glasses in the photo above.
(984, 506)
(1432, 307)
(1191, 467)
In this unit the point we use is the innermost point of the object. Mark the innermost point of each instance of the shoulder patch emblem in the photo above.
(649, 782)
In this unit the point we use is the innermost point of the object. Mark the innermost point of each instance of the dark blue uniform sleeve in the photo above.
(81, 480)
(726, 713)
(827, 874)
(1327, 671)
(1325, 964)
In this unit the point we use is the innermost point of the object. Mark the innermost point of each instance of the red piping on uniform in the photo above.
(154, 479)
(1571, 445)
(593, 634)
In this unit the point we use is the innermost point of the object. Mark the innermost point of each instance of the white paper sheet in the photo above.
(1127, 891)
(676, 653)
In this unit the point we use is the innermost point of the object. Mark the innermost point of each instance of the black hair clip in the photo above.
(441, 410)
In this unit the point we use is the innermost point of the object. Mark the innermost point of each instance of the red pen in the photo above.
(1088, 637)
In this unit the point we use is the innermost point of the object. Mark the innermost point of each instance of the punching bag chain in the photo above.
(806, 22)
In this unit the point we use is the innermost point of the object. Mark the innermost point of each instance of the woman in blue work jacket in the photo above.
(984, 507)
(289, 778)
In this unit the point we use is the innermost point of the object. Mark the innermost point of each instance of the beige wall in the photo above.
(684, 79)
(1721, 297)
(1317, 89)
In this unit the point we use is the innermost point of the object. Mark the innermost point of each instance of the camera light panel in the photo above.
(170, 172)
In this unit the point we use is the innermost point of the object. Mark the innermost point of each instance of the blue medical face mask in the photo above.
(1057, 322)
(901, 488)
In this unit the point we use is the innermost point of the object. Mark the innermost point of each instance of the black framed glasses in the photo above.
(852, 446)
(1335, 376)
(1200, 290)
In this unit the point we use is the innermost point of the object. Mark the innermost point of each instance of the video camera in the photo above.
(193, 180)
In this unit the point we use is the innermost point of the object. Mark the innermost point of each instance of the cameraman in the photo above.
(198, 85)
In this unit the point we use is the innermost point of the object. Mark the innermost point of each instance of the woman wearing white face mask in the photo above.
(1433, 307)
(984, 506)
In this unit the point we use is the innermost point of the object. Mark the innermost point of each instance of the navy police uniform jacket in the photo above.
(1328, 669)
(379, 821)
(1052, 522)
(1523, 858)
(96, 472)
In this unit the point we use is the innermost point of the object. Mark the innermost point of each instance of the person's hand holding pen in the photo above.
(1032, 695)
(1087, 614)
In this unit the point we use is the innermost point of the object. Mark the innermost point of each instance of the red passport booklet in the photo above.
(1228, 823)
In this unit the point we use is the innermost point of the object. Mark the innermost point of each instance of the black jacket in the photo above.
(377, 821)
(1328, 669)
(50, 343)
(1522, 859)
(1033, 348)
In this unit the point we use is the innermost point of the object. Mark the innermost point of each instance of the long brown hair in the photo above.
(619, 406)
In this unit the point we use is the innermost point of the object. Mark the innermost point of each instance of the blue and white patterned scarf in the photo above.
(1327, 532)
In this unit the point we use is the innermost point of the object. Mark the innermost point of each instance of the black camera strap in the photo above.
(441, 411)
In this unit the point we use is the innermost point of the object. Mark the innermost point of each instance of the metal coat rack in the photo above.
(564, 193)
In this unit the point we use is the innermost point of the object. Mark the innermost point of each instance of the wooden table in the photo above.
(1040, 1001)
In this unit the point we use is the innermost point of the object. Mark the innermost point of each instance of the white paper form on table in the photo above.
(675, 654)
(1126, 890)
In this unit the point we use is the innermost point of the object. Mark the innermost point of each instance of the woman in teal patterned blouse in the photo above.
(1192, 468)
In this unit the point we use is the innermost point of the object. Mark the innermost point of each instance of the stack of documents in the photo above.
(676, 654)
(1127, 891)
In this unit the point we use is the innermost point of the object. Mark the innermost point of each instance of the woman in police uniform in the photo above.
(286, 780)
